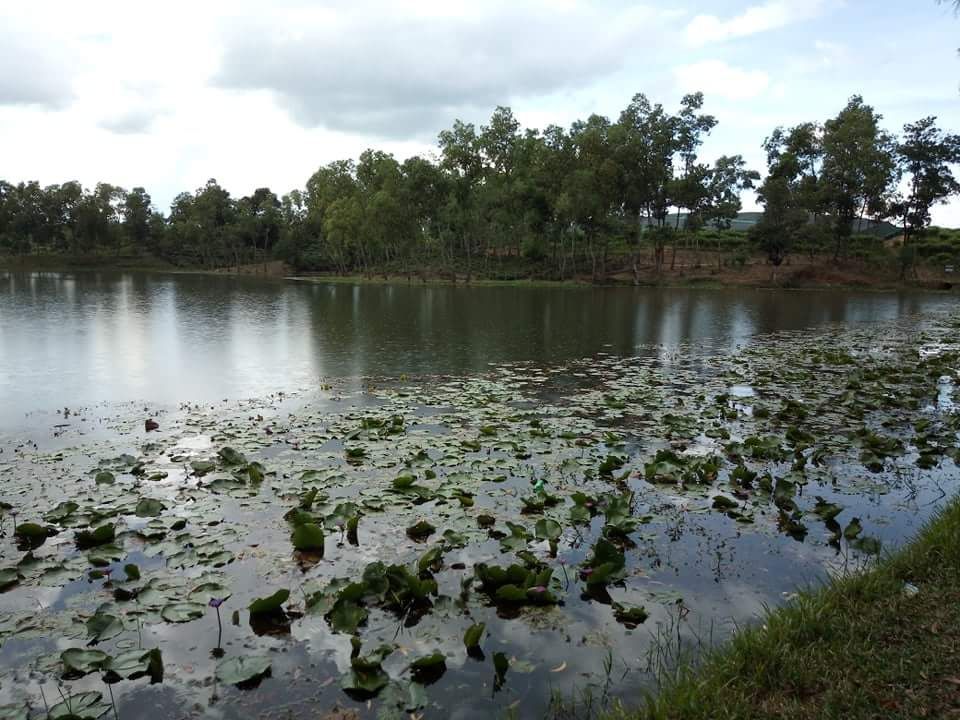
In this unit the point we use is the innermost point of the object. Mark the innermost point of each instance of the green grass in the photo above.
(861, 647)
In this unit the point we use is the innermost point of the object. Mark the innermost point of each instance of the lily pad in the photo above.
(308, 537)
(182, 612)
(83, 706)
(421, 530)
(149, 507)
(229, 456)
(471, 638)
(270, 604)
(244, 669)
(83, 661)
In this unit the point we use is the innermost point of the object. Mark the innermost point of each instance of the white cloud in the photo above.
(706, 29)
(718, 79)
(395, 71)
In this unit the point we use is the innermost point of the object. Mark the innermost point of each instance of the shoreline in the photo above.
(881, 643)
(756, 275)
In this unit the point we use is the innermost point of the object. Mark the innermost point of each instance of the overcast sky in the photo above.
(169, 94)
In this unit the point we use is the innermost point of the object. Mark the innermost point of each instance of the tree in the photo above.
(783, 217)
(859, 173)
(136, 217)
(926, 154)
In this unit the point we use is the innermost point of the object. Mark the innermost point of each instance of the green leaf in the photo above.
(204, 592)
(105, 478)
(85, 706)
(346, 617)
(31, 531)
(471, 638)
(421, 530)
(103, 626)
(92, 538)
(83, 661)
(149, 507)
(239, 670)
(629, 615)
(229, 456)
(547, 529)
(500, 666)
(182, 612)
(270, 604)
(307, 536)
(19, 711)
(202, 467)
(135, 664)
(8, 578)
(61, 512)
(722, 502)
(853, 529)
(402, 482)
(432, 661)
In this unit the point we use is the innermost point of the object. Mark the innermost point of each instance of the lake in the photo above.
(83, 338)
(459, 502)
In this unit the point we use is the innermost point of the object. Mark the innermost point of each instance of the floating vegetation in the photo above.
(537, 514)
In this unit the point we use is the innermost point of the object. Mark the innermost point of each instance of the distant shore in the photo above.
(796, 274)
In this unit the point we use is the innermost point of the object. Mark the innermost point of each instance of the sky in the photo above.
(166, 95)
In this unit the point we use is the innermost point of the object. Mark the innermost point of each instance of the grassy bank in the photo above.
(690, 270)
(865, 646)
(68, 263)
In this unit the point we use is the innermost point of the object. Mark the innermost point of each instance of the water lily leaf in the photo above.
(308, 537)
(61, 512)
(8, 578)
(202, 467)
(346, 617)
(471, 638)
(229, 456)
(104, 477)
(83, 706)
(722, 502)
(134, 664)
(429, 669)
(92, 538)
(629, 615)
(149, 507)
(15, 712)
(240, 670)
(82, 661)
(182, 612)
(364, 684)
(868, 545)
(270, 604)
(547, 529)
(399, 700)
(853, 529)
(206, 592)
(103, 626)
(429, 661)
(30, 531)
(825, 510)
(402, 482)
(421, 530)
(500, 666)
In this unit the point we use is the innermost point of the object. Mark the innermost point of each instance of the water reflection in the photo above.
(75, 339)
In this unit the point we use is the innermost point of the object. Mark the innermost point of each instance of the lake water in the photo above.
(69, 340)
(580, 439)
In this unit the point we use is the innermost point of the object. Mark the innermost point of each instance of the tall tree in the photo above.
(927, 154)
(859, 169)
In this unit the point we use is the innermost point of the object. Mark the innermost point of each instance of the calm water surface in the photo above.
(73, 339)
(114, 348)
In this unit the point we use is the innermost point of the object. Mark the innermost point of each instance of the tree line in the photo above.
(563, 198)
